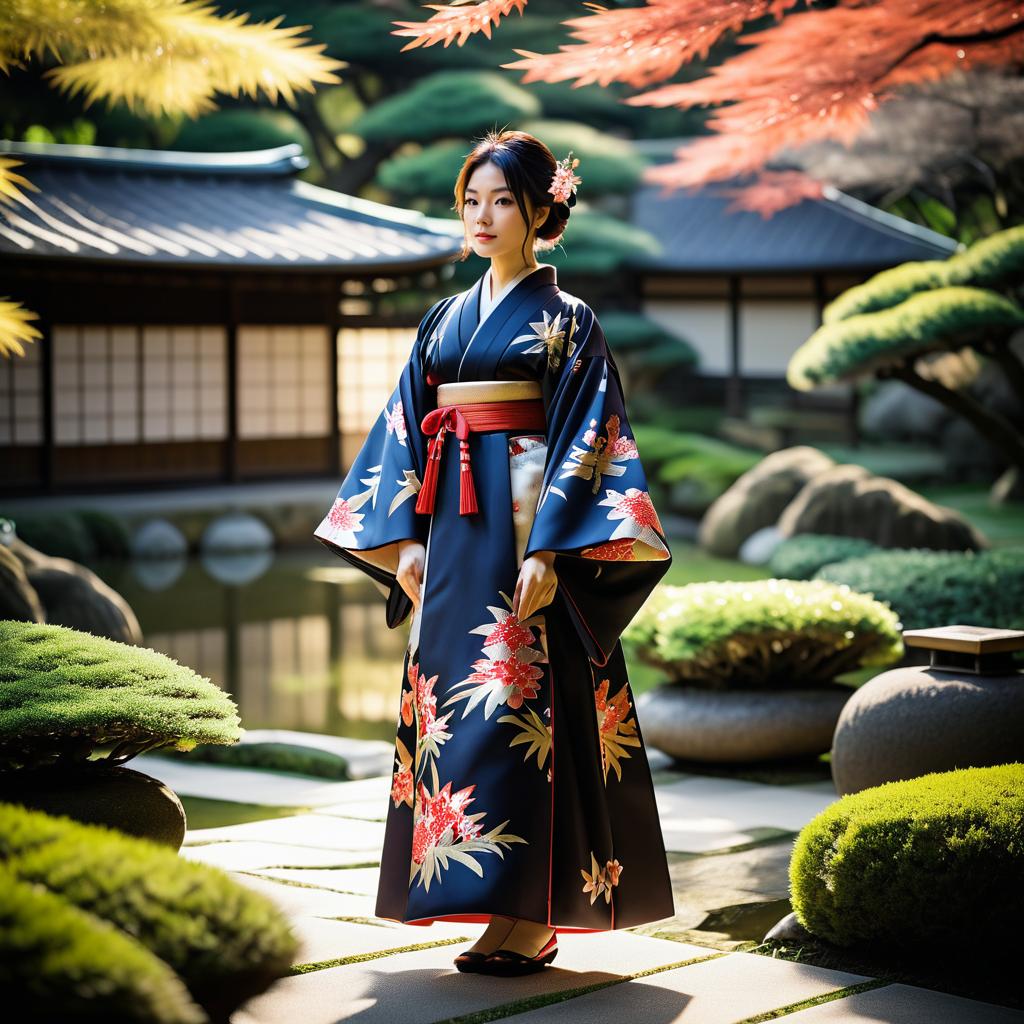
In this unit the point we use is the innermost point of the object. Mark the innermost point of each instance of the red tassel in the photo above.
(425, 499)
(467, 489)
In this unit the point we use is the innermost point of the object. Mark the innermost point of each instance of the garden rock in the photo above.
(740, 725)
(759, 547)
(158, 538)
(237, 531)
(910, 721)
(758, 497)
(17, 598)
(117, 797)
(75, 596)
(898, 412)
(789, 929)
(850, 501)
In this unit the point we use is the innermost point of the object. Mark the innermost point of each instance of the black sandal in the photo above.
(470, 961)
(507, 962)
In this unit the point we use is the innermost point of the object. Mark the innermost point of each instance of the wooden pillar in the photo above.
(48, 455)
(734, 385)
(333, 320)
(232, 473)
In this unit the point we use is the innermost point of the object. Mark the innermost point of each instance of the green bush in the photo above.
(110, 536)
(61, 534)
(226, 942)
(69, 965)
(933, 860)
(940, 588)
(762, 634)
(64, 693)
(281, 757)
(800, 557)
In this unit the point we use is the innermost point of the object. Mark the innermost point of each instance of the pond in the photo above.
(295, 637)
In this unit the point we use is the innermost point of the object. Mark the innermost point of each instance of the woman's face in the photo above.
(491, 219)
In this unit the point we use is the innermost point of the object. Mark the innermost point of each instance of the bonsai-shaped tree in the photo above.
(67, 697)
(888, 324)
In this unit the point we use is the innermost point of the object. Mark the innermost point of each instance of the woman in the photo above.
(524, 544)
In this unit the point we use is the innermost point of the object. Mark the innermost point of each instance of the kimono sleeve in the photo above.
(375, 505)
(594, 510)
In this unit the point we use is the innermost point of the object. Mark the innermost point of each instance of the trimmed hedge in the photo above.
(226, 942)
(63, 693)
(280, 757)
(59, 534)
(69, 965)
(762, 634)
(800, 557)
(940, 588)
(937, 860)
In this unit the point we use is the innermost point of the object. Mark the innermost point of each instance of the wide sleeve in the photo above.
(594, 510)
(375, 505)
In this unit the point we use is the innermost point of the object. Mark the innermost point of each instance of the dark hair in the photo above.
(528, 166)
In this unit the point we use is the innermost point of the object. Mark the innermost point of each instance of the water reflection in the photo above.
(297, 638)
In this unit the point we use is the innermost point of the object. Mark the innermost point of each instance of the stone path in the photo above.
(728, 843)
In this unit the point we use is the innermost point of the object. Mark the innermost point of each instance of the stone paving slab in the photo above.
(318, 830)
(699, 814)
(906, 1004)
(247, 856)
(362, 881)
(720, 991)
(424, 986)
(243, 785)
(330, 940)
(296, 901)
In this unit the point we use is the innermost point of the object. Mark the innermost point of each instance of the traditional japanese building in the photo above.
(745, 291)
(205, 317)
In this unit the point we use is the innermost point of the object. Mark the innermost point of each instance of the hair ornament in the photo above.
(563, 184)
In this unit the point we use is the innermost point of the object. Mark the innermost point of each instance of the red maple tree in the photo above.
(815, 74)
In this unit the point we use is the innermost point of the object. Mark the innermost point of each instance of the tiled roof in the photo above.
(201, 209)
(836, 232)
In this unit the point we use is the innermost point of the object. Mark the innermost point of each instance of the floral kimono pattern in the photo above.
(520, 783)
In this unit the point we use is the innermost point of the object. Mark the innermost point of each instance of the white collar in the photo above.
(486, 303)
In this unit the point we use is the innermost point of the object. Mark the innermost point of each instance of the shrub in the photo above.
(777, 633)
(61, 534)
(800, 557)
(110, 536)
(281, 757)
(69, 965)
(936, 859)
(226, 942)
(64, 693)
(940, 588)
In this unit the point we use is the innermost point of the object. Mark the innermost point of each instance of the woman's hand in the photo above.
(411, 556)
(536, 585)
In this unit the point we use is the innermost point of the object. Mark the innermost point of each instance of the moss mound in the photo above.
(69, 965)
(800, 557)
(64, 693)
(227, 943)
(278, 757)
(777, 633)
(940, 588)
(934, 860)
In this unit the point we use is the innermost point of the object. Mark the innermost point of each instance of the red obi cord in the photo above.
(525, 414)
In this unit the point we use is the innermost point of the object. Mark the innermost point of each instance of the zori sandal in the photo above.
(507, 962)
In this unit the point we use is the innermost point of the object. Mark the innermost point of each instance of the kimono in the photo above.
(520, 784)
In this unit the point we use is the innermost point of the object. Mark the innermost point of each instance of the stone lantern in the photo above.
(964, 709)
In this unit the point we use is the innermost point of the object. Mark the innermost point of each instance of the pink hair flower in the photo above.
(563, 184)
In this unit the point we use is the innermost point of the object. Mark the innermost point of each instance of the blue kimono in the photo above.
(520, 785)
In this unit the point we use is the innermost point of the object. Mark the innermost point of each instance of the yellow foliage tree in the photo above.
(158, 56)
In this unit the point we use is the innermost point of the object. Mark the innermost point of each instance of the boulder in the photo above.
(75, 596)
(235, 532)
(759, 547)
(18, 600)
(158, 538)
(740, 725)
(758, 497)
(850, 501)
(910, 721)
(897, 412)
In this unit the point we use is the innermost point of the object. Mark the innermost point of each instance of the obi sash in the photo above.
(499, 414)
